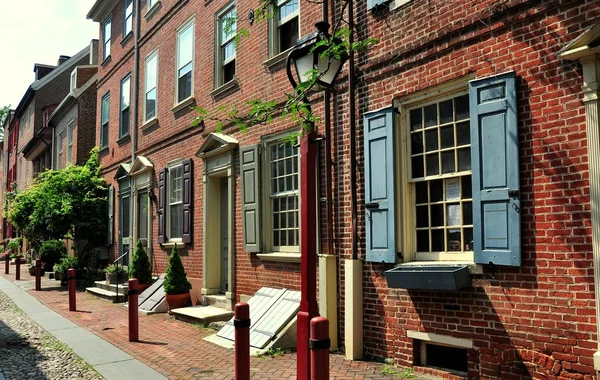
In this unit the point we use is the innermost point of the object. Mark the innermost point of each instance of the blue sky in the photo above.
(38, 31)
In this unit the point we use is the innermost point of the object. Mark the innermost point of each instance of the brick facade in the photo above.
(536, 320)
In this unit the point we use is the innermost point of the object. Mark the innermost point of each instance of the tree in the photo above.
(62, 203)
(3, 114)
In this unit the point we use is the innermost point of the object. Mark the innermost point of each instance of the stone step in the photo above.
(216, 300)
(202, 314)
(111, 287)
(107, 294)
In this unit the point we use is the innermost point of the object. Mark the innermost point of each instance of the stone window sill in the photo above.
(127, 38)
(224, 88)
(124, 139)
(280, 257)
(171, 243)
(106, 61)
(152, 11)
(277, 58)
(149, 123)
(184, 103)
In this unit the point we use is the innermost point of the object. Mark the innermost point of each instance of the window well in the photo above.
(443, 357)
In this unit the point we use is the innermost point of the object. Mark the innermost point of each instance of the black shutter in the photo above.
(111, 214)
(187, 200)
(162, 197)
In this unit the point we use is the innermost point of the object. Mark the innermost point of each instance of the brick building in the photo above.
(474, 150)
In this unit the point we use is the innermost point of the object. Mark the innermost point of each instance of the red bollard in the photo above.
(319, 348)
(241, 322)
(72, 286)
(133, 309)
(38, 274)
(18, 269)
(6, 263)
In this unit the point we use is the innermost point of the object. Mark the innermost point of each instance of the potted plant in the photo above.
(176, 285)
(115, 273)
(61, 270)
(15, 245)
(140, 267)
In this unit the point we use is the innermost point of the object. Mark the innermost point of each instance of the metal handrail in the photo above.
(116, 262)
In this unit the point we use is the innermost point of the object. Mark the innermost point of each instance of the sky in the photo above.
(39, 31)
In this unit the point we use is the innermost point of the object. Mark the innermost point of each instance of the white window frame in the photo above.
(182, 29)
(106, 42)
(170, 166)
(149, 57)
(266, 193)
(73, 79)
(127, 19)
(70, 130)
(127, 78)
(275, 24)
(104, 144)
(407, 193)
(220, 61)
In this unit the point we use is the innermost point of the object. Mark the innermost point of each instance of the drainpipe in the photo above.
(136, 74)
(352, 107)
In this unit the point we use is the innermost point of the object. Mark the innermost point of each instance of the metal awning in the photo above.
(429, 277)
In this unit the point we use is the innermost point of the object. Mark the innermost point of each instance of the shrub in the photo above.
(66, 263)
(114, 268)
(15, 244)
(140, 265)
(52, 251)
(176, 281)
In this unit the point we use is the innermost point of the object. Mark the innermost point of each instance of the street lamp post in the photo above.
(305, 57)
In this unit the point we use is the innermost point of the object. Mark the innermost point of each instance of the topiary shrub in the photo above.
(176, 281)
(140, 265)
(51, 252)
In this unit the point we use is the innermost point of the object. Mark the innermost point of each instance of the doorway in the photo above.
(224, 236)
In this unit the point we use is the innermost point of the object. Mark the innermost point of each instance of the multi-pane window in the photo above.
(104, 121)
(151, 73)
(70, 129)
(440, 167)
(61, 145)
(185, 61)
(125, 102)
(226, 52)
(283, 196)
(175, 215)
(286, 27)
(128, 18)
(106, 36)
(73, 80)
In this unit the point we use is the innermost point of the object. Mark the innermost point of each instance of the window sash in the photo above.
(61, 142)
(107, 38)
(289, 9)
(104, 121)
(185, 59)
(70, 128)
(151, 84)
(175, 202)
(128, 22)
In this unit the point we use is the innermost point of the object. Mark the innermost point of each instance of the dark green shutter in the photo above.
(495, 165)
(162, 195)
(249, 169)
(111, 214)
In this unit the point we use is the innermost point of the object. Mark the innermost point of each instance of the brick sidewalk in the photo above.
(174, 348)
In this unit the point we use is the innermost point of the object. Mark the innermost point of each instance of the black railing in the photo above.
(116, 263)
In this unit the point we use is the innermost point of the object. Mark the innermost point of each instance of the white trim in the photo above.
(274, 25)
(219, 61)
(149, 57)
(443, 340)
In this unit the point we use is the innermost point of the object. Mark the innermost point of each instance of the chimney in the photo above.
(41, 70)
(62, 59)
(94, 52)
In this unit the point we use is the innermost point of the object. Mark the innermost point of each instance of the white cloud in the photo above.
(38, 31)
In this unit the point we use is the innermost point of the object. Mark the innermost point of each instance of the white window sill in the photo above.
(277, 58)
(224, 87)
(473, 268)
(149, 123)
(171, 243)
(152, 10)
(395, 4)
(280, 256)
(182, 104)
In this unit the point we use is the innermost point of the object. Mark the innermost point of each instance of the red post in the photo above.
(18, 268)
(6, 263)
(38, 274)
(72, 286)
(241, 322)
(319, 348)
(308, 266)
(133, 292)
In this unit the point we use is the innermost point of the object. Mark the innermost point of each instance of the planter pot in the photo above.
(111, 278)
(57, 276)
(177, 301)
(143, 287)
(32, 271)
(62, 276)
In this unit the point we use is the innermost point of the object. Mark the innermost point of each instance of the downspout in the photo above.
(328, 161)
(136, 74)
(352, 108)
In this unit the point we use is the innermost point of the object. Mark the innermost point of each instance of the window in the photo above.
(175, 190)
(151, 81)
(282, 196)
(124, 118)
(61, 144)
(104, 123)
(128, 20)
(227, 21)
(106, 35)
(440, 177)
(151, 3)
(185, 61)
(70, 128)
(285, 26)
(73, 80)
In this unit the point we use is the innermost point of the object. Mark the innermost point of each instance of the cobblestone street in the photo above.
(28, 352)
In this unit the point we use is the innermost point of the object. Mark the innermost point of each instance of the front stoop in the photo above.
(202, 314)
(109, 292)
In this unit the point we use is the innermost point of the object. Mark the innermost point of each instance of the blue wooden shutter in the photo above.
(111, 214)
(380, 207)
(249, 168)
(162, 196)
(187, 200)
(495, 164)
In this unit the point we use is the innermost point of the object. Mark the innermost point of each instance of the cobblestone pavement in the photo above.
(28, 352)
(177, 349)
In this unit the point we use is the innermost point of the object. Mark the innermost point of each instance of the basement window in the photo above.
(448, 358)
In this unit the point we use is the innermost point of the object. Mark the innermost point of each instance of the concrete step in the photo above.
(111, 287)
(107, 294)
(217, 300)
(202, 314)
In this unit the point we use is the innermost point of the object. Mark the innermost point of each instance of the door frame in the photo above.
(141, 175)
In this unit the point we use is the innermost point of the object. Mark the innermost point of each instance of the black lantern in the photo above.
(305, 58)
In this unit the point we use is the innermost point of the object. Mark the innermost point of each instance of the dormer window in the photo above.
(73, 80)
